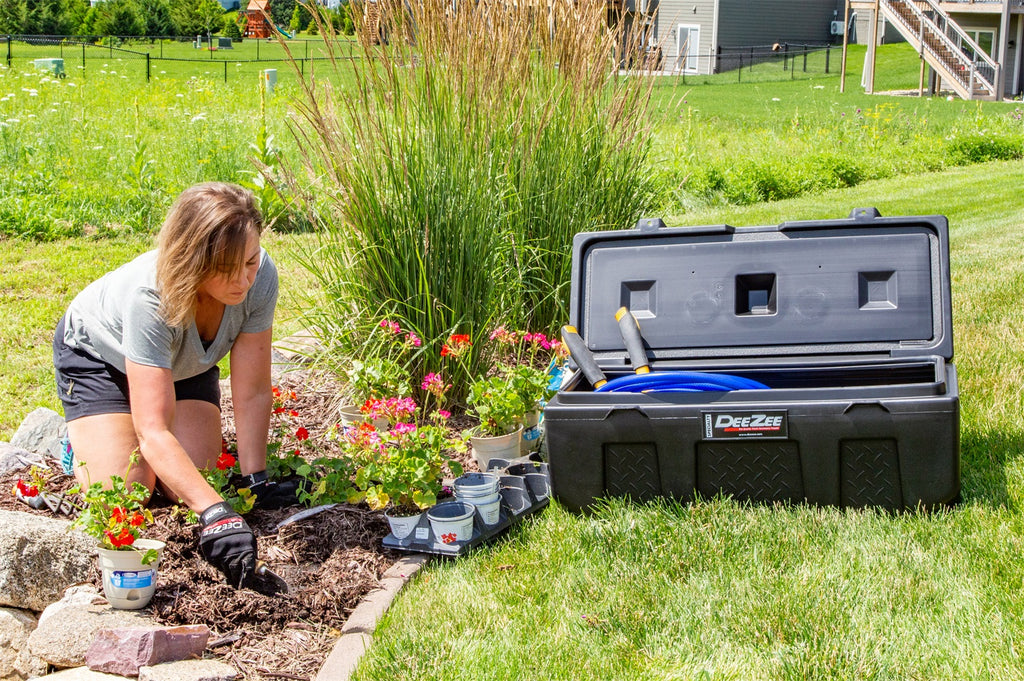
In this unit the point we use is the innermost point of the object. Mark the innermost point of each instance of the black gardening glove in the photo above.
(227, 543)
(270, 494)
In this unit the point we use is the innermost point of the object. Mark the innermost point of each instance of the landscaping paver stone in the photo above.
(67, 628)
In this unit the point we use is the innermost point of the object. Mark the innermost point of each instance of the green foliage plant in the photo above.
(454, 164)
(116, 514)
(220, 479)
(527, 361)
(497, 400)
(382, 370)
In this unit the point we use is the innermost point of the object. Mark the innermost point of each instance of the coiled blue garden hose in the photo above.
(679, 382)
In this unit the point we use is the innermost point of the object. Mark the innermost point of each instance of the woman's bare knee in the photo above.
(103, 447)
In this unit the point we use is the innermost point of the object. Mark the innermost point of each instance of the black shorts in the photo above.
(88, 386)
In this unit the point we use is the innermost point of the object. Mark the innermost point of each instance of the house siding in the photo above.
(671, 13)
(741, 23)
(792, 21)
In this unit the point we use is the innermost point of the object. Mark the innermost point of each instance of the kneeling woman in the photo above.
(136, 364)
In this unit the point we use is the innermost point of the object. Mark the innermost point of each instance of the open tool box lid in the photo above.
(866, 286)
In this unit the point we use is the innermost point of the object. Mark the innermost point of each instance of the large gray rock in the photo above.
(125, 651)
(41, 432)
(14, 458)
(190, 670)
(39, 558)
(67, 628)
(16, 663)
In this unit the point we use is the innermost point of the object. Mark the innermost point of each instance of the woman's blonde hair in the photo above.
(204, 234)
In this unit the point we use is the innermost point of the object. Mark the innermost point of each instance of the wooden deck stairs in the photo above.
(961, 63)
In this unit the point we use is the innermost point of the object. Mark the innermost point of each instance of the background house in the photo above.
(970, 47)
(692, 33)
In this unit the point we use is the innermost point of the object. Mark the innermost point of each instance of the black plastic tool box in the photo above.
(849, 324)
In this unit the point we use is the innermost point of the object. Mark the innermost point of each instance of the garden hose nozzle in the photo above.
(629, 327)
(581, 354)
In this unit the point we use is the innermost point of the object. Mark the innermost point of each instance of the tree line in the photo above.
(151, 18)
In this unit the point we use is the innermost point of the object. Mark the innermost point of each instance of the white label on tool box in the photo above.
(736, 425)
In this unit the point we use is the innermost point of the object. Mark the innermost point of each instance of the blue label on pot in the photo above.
(132, 579)
(531, 433)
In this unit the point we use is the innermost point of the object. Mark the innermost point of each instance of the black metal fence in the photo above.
(789, 58)
(151, 53)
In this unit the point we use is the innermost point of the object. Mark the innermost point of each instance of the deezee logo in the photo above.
(759, 421)
(745, 424)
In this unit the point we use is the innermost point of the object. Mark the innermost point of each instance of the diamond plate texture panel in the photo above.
(870, 473)
(754, 471)
(631, 469)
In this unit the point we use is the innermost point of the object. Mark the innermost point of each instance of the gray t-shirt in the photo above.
(117, 317)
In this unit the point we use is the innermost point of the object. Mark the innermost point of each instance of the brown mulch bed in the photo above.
(330, 560)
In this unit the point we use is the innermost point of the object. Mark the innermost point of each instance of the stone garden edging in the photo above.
(357, 633)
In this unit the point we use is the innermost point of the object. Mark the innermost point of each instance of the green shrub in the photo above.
(835, 171)
(981, 147)
(756, 181)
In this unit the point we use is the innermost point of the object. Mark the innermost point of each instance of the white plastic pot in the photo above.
(498, 447)
(452, 521)
(402, 525)
(127, 583)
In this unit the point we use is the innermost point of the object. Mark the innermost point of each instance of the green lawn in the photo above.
(716, 590)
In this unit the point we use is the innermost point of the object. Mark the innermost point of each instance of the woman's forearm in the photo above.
(173, 467)
(252, 423)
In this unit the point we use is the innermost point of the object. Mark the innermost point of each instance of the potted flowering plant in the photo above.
(117, 517)
(529, 361)
(497, 402)
(383, 372)
(400, 470)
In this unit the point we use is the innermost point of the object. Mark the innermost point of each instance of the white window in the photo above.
(687, 47)
(985, 40)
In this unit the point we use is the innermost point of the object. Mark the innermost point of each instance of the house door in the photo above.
(687, 47)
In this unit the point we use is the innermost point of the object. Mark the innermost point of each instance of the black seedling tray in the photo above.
(525, 488)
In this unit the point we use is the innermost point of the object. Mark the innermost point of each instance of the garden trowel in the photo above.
(267, 582)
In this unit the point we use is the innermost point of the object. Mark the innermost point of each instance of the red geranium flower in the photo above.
(458, 344)
(137, 519)
(26, 489)
(118, 514)
(123, 538)
(302, 433)
(225, 461)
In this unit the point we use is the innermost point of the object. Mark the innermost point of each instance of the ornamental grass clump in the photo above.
(450, 174)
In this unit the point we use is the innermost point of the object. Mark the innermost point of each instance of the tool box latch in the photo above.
(650, 224)
(864, 214)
